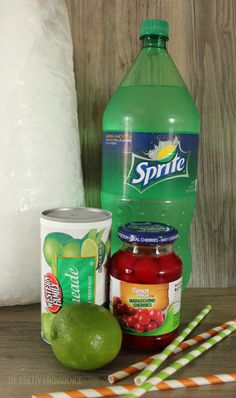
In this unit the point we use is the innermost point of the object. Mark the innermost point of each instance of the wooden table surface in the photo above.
(28, 366)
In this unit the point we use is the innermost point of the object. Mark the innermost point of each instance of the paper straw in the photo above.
(180, 363)
(160, 358)
(126, 388)
(134, 368)
(203, 336)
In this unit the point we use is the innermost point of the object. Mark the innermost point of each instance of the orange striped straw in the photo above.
(136, 367)
(127, 388)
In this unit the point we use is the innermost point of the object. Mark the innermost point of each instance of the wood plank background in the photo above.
(203, 46)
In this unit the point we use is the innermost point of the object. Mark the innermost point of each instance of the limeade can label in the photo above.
(73, 266)
(145, 309)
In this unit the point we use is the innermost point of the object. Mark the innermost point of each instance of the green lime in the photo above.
(91, 234)
(90, 249)
(99, 234)
(85, 336)
(46, 322)
(54, 266)
(71, 248)
(108, 247)
(52, 245)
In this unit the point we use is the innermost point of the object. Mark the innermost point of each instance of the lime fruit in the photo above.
(90, 249)
(71, 248)
(54, 266)
(92, 234)
(108, 247)
(85, 336)
(99, 234)
(52, 245)
(46, 322)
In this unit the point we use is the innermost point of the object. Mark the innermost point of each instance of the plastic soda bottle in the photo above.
(150, 144)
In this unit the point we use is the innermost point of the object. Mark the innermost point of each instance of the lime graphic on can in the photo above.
(74, 255)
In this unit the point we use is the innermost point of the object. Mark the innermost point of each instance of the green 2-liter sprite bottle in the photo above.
(150, 144)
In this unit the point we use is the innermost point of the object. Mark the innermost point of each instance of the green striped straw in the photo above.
(180, 363)
(154, 365)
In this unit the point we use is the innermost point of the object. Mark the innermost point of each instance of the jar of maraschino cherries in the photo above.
(145, 285)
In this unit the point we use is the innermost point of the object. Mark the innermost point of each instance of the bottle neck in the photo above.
(148, 249)
(154, 41)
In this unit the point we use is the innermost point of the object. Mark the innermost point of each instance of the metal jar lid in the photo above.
(147, 232)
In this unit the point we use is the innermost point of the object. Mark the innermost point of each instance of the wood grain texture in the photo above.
(203, 46)
(28, 366)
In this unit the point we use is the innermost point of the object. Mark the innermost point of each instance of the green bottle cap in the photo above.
(151, 27)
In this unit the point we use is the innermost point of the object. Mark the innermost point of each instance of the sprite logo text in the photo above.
(165, 161)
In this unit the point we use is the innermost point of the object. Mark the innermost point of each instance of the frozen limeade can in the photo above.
(75, 247)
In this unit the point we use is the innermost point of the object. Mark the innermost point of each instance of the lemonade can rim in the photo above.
(76, 215)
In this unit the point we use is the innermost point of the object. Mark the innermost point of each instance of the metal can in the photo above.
(75, 247)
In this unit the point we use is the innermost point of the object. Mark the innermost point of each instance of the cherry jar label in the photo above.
(146, 310)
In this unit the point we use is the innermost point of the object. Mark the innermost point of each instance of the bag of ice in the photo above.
(40, 153)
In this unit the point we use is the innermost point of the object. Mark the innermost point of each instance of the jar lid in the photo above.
(148, 233)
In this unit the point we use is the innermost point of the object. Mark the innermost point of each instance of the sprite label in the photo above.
(154, 162)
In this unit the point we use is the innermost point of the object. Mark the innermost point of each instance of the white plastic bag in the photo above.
(40, 153)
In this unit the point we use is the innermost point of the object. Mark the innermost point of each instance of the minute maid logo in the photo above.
(165, 161)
